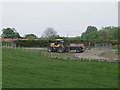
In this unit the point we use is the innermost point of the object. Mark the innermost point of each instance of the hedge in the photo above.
(45, 42)
(40, 43)
(32, 43)
(7, 43)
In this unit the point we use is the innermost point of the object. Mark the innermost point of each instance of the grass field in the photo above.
(65, 54)
(29, 70)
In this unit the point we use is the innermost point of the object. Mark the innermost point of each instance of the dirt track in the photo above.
(93, 54)
(37, 48)
(105, 55)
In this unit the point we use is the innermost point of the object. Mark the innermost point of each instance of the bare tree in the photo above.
(49, 33)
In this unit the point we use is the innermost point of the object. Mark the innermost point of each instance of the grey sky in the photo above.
(69, 17)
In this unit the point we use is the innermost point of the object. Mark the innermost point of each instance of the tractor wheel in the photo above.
(50, 49)
(79, 50)
(60, 49)
(67, 48)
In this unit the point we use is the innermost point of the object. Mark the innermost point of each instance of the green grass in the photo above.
(29, 70)
(115, 47)
(64, 54)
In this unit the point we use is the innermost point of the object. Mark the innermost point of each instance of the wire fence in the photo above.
(103, 46)
(64, 56)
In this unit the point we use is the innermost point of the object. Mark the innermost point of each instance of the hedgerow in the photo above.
(32, 43)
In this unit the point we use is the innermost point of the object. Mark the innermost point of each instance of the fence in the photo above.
(103, 46)
(64, 56)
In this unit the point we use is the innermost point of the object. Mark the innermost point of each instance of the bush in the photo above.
(7, 43)
(32, 43)
(45, 42)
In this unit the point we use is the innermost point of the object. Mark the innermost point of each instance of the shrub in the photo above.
(7, 43)
(32, 43)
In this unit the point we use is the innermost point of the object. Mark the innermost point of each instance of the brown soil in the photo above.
(109, 54)
(37, 48)
(93, 54)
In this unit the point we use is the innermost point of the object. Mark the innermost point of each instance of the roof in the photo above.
(58, 39)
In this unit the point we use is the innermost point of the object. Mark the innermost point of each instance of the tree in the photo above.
(30, 36)
(102, 34)
(49, 33)
(109, 33)
(91, 33)
(10, 33)
(91, 29)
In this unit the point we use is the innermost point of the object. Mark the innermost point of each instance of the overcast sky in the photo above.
(65, 17)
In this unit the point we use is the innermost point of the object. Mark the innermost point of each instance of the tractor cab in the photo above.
(57, 43)
(54, 46)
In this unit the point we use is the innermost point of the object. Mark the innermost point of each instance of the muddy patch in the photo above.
(103, 55)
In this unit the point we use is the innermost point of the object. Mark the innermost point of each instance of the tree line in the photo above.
(110, 33)
(13, 34)
(91, 34)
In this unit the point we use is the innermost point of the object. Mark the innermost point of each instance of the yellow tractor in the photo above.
(59, 46)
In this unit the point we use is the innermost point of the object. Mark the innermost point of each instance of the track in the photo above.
(93, 54)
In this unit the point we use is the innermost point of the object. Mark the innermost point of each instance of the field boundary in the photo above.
(64, 56)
